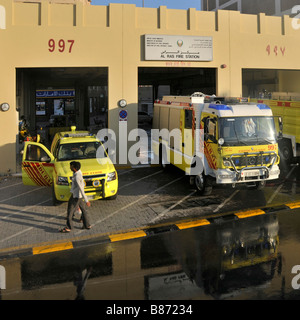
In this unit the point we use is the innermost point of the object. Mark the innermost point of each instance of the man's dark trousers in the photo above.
(72, 206)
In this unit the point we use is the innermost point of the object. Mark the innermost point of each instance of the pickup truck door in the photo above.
(37, 165)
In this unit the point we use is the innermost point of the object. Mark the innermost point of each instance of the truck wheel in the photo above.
(114, 197)
(163, 158)
(286, 152)
(55, 202)
(201, 185)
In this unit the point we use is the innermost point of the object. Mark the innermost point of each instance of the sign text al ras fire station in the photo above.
(178, 48)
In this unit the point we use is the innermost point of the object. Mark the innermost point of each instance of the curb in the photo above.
(143, 232)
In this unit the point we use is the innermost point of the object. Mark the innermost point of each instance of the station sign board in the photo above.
(178, 48)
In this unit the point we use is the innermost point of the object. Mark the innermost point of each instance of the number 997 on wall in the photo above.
(60, 45)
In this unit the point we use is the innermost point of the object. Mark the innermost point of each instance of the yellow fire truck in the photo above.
(287, 106)
(227, 141)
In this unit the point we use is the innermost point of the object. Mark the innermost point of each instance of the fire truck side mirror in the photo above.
(280, 123)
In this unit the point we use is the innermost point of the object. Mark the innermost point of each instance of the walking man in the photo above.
(76, 199)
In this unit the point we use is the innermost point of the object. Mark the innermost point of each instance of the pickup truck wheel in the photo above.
(55, 202)
(114, 197)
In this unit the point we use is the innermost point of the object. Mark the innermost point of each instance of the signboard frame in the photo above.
(178, 48)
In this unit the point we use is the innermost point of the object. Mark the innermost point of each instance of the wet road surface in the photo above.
(252, 258)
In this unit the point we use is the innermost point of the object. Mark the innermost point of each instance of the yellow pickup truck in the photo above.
(42, 167)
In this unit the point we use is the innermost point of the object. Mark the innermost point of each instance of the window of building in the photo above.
(288, 4)
(256, 6)
(221, 2)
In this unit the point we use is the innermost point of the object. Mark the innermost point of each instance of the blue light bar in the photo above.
(219, 107)
(263, 107)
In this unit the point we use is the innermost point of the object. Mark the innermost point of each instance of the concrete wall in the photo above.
(111, 36)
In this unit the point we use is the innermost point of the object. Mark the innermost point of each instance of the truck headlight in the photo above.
(227, 163)
(111, 176)
(62, 181)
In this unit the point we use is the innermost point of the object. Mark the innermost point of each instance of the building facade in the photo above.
(75, 62)
(269, 7)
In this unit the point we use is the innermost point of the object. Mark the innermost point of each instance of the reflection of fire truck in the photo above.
(287, 106)
(216, 139)
(229, 258)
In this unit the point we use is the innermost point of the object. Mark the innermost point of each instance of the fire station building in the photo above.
(71, 62)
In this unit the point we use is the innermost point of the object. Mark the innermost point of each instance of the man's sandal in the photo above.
(65, 230)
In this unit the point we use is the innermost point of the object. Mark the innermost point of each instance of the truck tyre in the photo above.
(55, 202)
(286, 152)
(114, 197)
(163, 158)
(201, 185)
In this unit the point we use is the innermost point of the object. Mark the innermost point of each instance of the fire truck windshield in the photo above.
(251, 130)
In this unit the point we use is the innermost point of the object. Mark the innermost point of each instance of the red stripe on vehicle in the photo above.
(30, 173)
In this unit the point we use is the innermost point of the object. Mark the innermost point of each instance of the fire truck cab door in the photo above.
(188, 145)
(37, 165)
(211, 143)
(210, 130)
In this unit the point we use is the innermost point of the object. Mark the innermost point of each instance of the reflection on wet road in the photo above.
(248, 258)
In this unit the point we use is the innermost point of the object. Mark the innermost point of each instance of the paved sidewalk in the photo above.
(147, 197)
(28, 218)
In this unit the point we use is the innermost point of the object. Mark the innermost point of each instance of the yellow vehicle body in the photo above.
(202, 139)
(41, 167)
(289, 111)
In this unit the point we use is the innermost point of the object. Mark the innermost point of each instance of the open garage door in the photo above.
(279, 89)
(270, 83)
(56, 98)
(52, 99)
(156, 82)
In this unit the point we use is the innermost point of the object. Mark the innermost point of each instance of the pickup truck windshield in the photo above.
(82, 150)
(239, 131)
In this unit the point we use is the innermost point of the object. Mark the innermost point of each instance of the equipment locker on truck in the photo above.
(286, 105)
(226, 141)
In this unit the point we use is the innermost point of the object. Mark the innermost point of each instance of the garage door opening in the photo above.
(53, 99)
(271, 84)
(155, 82)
